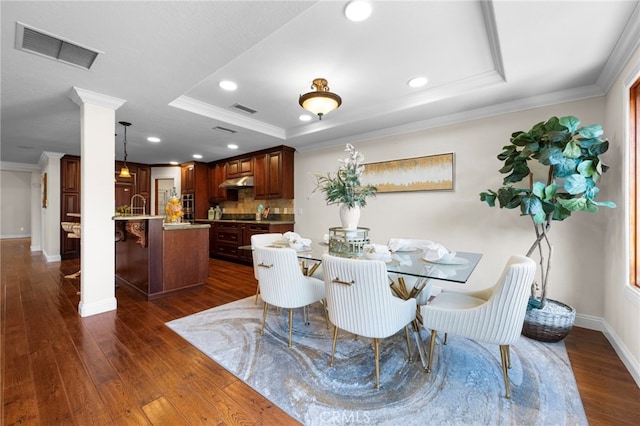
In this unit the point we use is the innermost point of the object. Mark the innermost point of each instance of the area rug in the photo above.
(464, 388)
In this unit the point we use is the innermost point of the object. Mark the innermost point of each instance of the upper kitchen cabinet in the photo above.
(195, 180)
(217, 175)
(273, 174)
(239, 167)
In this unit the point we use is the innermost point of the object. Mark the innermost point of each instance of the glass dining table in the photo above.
(408, 263)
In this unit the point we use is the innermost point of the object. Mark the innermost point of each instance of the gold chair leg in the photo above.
(406, 335)
(257, 292)
(326, 313)
(432, 343)
(376, 347)
(264, 317)
(504, 354)
(509, 356)
(333, 345)
(290, 325)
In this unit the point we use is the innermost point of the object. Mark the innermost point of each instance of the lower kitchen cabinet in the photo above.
(228, 236)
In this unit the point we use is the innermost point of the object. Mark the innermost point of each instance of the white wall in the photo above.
(621, 300)
(15, 204)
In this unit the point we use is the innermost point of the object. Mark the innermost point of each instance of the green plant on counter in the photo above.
(571, 155)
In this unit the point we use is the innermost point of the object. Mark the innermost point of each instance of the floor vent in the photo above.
(225, 130)
(36, 41)
(244, 109)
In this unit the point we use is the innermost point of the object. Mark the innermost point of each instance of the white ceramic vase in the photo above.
(349, 217)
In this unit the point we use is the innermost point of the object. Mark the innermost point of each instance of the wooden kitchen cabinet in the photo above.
(195, 180)
(239, 167)
(273, 174)
(229, 236)
(217, 175)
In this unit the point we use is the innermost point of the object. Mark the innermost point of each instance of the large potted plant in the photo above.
(569, 155)
(345, 188)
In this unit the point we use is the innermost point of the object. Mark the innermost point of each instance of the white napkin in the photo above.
(396, 244)
(376, 251)
(436, 251)
(296, 241)
(402, 259)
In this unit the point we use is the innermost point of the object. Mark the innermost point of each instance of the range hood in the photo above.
(238, 183)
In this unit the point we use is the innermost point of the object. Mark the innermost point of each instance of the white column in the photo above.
(50, 163)
(97, 250)
(36, 206)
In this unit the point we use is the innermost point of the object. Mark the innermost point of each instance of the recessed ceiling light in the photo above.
(198, 156)
(357, 10)
(232, 146)
(417, 81)
(304, 117)
(153, 139)
(228, 85)
(173, 163)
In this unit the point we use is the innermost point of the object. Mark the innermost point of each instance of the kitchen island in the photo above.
(157, 259)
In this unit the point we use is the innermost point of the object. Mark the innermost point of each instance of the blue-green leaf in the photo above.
(570, 122)
(574, 204)
(586, 168)
(593, 131)
(550, 192)
(538, 189)
(571, 150)
(575, 184)
(551, 155)
(565, 168)
(609, 204)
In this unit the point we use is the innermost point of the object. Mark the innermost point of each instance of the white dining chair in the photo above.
(261, 240)
(360, 301)
(493, 315)
(282, 283)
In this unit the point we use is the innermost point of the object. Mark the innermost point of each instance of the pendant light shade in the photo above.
(322, 101)
(124, 171)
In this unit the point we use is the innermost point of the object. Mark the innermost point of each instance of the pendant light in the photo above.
(124, 171)
(322, 101)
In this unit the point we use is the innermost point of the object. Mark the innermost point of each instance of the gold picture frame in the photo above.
(428, 173)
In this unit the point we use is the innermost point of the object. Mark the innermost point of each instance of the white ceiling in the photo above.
(165, 58)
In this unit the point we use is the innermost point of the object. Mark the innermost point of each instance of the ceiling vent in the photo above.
(244, 109)
(224, 130)
(36, 41)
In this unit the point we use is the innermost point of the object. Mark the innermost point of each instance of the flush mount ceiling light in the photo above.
(357, 10)
(228, 85)
(417, 82)
(124, 171)
(153, 139)
(322, 101)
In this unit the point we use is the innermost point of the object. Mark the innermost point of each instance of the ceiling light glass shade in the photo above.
(322, 101)
(124, 172)
(357, 10)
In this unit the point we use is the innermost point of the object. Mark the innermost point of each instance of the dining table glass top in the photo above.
(412, 263)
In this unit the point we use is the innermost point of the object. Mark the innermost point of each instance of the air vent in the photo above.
(244, 109)
(36, 41)
(225, 130)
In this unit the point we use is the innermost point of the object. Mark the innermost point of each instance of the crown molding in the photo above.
(81, 96)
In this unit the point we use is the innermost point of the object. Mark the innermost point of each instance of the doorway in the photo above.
(163, 189)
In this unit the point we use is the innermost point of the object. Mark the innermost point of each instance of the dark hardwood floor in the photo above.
(127, 367)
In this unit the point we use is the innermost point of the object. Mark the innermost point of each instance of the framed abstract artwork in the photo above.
(429, 173)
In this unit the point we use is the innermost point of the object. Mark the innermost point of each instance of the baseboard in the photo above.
(14, 236)
(88, 309)
(598, 324)
(52, 258)
(35, 248)
(625, 355)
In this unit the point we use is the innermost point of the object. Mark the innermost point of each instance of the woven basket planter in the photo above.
(551, 324)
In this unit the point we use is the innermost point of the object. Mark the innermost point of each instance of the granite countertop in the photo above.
(137, 217)
(182, 226)
(252, 221)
